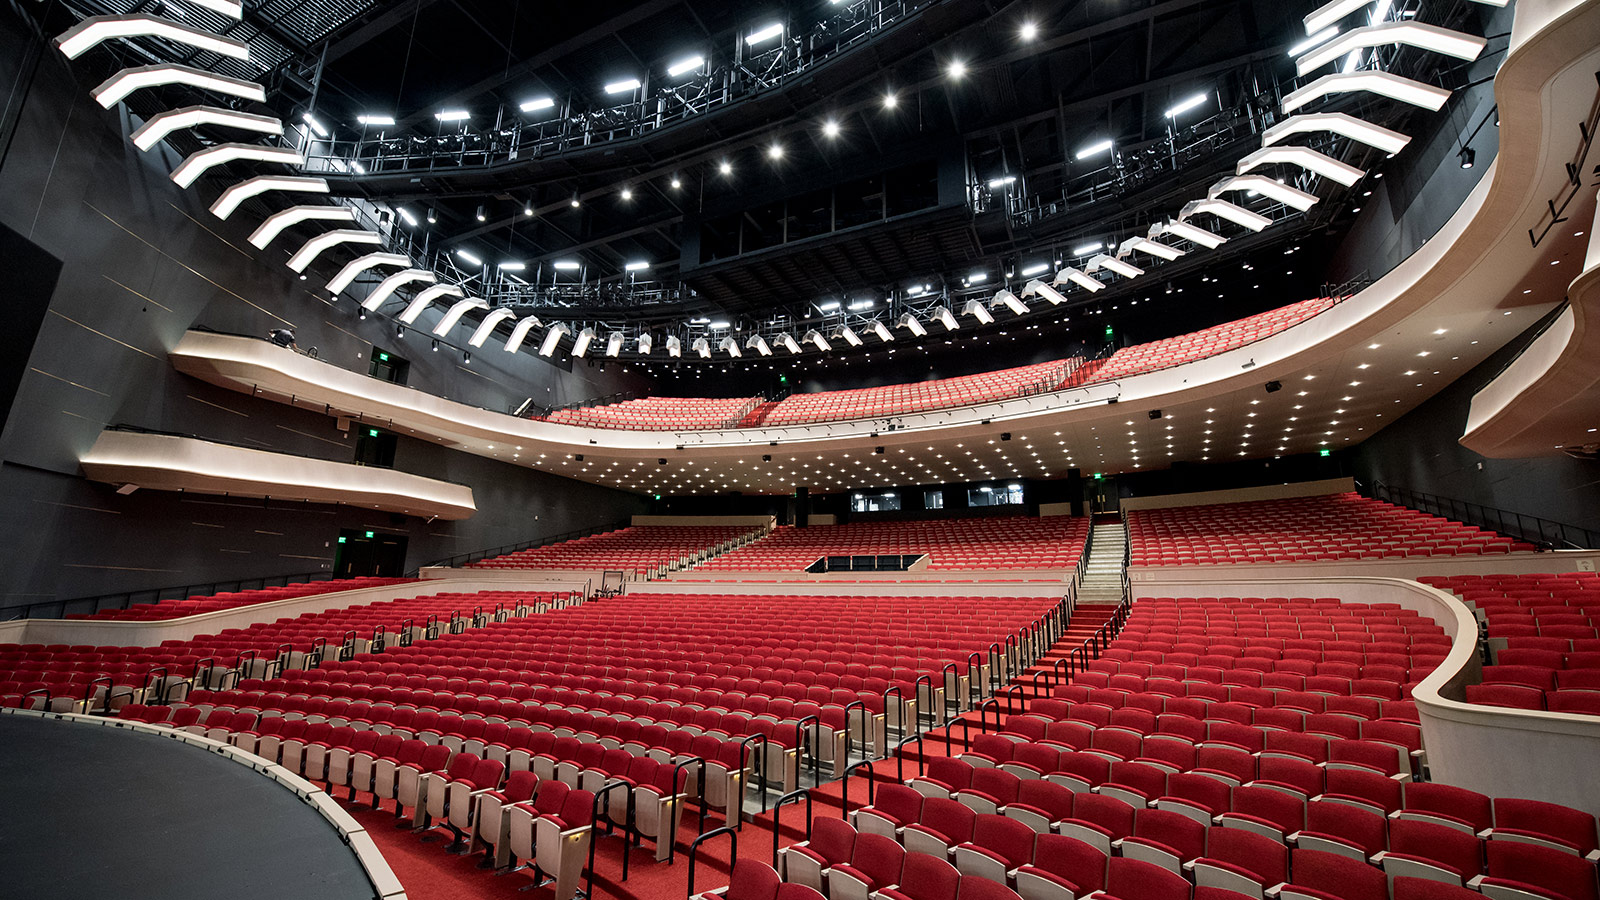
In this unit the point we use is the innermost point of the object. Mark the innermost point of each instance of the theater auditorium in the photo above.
(799, 450)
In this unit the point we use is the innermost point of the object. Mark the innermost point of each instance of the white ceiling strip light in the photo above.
(360, 264)
(1412, 34)
(1267, 187)
(1306, 158)
(1384, 84)
(328, 240)
(160, 125)
(455, 313)
(233, 9)
(1207, 239)
(1037, 288)
(388, 286)
(1337, 123)
(1112, 264)
(261, 184)
(488, 325)
(520, 333)
(1079, 278)
(202, 160)
(276, 223)
(1222, 209)
(426, 296)
(1334, 12)
(113, 89)
(95, 30)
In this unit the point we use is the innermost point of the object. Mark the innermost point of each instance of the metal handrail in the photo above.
(1543, 533)
(461, 559)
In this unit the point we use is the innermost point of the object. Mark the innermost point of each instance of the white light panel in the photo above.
(1411, 33)
(1222, 209)
(261, 184)
(1306, 158)
(158, 126)
(355, 267)
(388, 286)
(1337, 123)
(455, 312)
(114, 89)
(519, 333)
(1384, 84)
(95, 30)
(480, 335)
(425, 297)
(328, 240)
(275, 224)
(201, 161)
(1267, 187)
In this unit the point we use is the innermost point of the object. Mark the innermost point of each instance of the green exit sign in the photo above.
(1325, 452)
(383, 357)
(1098, 476)
(1109, 332)
(370, 534)
(341, 538)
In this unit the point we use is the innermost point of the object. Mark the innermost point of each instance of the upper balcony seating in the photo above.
(698, 414)
(74, 674)
(1054, 542)
(1332, 527)
(637, 549)
(193, 606)
(1544, 634)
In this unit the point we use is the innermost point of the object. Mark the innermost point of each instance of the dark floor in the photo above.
(98, 813)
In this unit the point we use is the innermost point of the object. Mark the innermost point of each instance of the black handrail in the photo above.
(56, 609)
(462, 559)
(844, 786)
(900, 757)
(1537, 530)
(627, 829)
(672, 816)
(694, 852)
(794, 796)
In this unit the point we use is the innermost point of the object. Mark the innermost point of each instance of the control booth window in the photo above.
(933, 500)
(995, 495)
(874, 502)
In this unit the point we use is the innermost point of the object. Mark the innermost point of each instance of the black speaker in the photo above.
(662, 461)
(1155, 413)
(1273, 387)
(1005, 435)
(578, 457)
(877, 449)
(766, 457)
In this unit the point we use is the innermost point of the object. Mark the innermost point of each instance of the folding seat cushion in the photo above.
(1406, 888)
(1270, 813)
(894, 806)
(1518, 871)
(555, 830)
(411, 776)
(1343, 829)
(943, 824)
(1137, 784)
(1444, 804)
(1242, 861)
(972, 888)
(1230, 765)
(944, 777)
(493, 825)
(1300, 777)
(1197, 796)
(1435, 852)
(1135, 879)
(1033, 761)
(875, 862)
(355, 767)
(991, 789)
(924, 877)
(1165, 838)
(1063, 868)
(292, 749)
(1315, 875)
(1546, 824)
(1040, 805)
(832, 841)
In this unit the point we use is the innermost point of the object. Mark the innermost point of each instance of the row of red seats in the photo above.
(1052, 542)
(195, 605)
(1301, 529)
(660, 414)
(640, 550)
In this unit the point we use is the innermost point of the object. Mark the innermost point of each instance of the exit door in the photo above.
(362, 553)
(1100, 495)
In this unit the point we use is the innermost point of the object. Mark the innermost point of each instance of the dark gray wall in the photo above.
(142, 262)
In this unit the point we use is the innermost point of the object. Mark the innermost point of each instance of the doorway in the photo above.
(369, 553)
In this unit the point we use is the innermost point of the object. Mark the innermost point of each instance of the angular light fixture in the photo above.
(580, 345)
(425, 297)
(847, 334)
(158, 126)
(646, 344)
(95, 30)
(519, 333)
(881, 330)
(480, 335)
(1338, 123)
(275, 224)
(1145, 245)
(1267, 187)
(945, 317)
(113, 89)
(909, 322)
(789, 343)
(730, 346)
(1037, 288)
(1384, 84)
(1079, 278)
(1194, 233)
(1332, 13)
(388, 286)
(702, 347)
(1408, 32)
(674, 346)
(552, 338)
(1222, 209)
(614, 344)
(976, 309)
(327, 240)
(1306, 158)
(815, 338)
(1010, 301)
(360, 264)
(200, 161)
(455, 312)
(758, 344)
(1112, 264)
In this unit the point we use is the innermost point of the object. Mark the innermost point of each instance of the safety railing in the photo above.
(1541, 532)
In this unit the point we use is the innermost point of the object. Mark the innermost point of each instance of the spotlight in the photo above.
(399, 331)
(889, 100)
(676, 182)
(466, 358)
(1469, 157)
(725, 167)
(481, 216)
(1029, 31)
(775, 151)
(1273, 387)
(1155, 413)
(434, 346)
(956, 69)
(830, 129)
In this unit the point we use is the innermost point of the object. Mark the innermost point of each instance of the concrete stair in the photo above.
(1102, 577)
